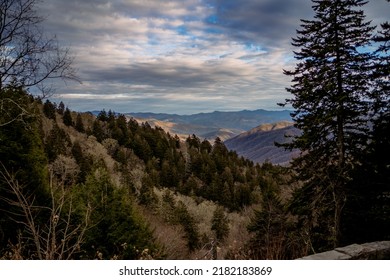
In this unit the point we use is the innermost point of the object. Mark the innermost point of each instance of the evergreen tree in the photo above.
(189, 225)
(124, 136)
(268, 229)
(119, 231)
(79, 124)
(57, 143)
(147, 195)
(97, 130)
(193, 141)
(84, 162)
(49, 110)
(68, 121)
(61, 108)
(111, 118)
(206, 147)
(22, 155)
(102, 116)
(189, 186)
(220, 224)
(332, 100)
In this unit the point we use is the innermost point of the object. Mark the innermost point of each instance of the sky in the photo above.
(180, 56)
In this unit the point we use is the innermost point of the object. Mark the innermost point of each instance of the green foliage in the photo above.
(220, 224)
(49, 110)
(21, 146)
(193, 141)
(274, 234)
(79, 124)
(169, 206)
(118, 230)
(169, 176)
(61, 108)
(21, 153)
(97, 131)
(190, 186)
(147, 196)
(206, 170)
(67, 118)
(189, 225)
(84, 162)
(57, 143)
(102, 116)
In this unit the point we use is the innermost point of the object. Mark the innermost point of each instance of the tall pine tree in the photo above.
(332, 99)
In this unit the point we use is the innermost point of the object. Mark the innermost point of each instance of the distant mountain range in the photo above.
(250, 133)
(258, 144)
(224, 125)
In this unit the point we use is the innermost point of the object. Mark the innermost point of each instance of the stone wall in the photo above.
(369, 251)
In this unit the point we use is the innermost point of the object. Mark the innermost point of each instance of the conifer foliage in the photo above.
(332, 101)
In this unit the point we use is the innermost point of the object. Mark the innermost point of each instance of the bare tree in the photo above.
(60, 237)
(65, 169)
(27, 57)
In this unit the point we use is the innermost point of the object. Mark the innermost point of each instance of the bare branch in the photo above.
(4, 106)
(62, 237)
(25, 205)
(27, 57)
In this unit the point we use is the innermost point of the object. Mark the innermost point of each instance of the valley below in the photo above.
(252, 134)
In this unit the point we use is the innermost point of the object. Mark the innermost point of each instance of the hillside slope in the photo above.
(107, 187)
(258, 144)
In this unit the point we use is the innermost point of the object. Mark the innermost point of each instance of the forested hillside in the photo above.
(78, 186)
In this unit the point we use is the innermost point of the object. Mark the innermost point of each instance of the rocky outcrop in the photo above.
(368, 251)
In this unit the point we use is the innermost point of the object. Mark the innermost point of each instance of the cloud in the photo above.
(267, 23)
(271, 23)
(180, 55)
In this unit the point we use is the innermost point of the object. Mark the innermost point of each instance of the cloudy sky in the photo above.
(180, 56)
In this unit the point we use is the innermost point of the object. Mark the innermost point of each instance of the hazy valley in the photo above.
(208, 126)
(251, 134)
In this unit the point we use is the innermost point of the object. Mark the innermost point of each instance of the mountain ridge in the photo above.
(241, 119)
(220, 124)
(258, 144)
